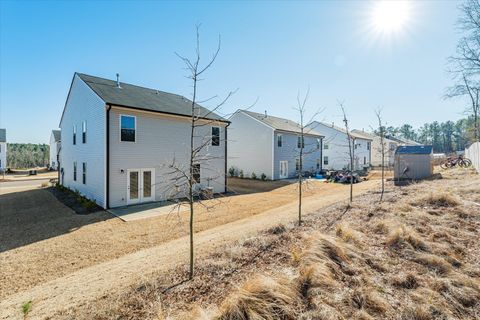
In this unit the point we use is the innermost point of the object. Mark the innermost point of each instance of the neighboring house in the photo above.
(264, 144)
(54, 149)
(336, 155)
(118, 141)
(413, 163)
(376, 152)
(3, 149)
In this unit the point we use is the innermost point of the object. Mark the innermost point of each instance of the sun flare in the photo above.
(390, 16)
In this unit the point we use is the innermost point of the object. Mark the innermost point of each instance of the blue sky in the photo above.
(270, 50)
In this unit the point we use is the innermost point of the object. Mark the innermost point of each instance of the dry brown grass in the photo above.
(261, 297)
(434, 263)
(406, 281)
(367, 299)
(402, 236)
(347, 234)
(439, 199)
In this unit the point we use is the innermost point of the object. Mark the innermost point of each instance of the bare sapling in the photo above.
(351, 146)
(302, 151)
(381, 133)
(185, 175)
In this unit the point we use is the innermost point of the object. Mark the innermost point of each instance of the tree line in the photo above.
(27, 155)
(445, 137)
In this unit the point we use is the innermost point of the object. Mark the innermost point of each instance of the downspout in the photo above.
(226, 173)
(107, 159)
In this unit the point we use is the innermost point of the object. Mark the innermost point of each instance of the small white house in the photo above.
(55, 145)
(336, 155)
(390, 146)
(118, 141)
(264, 144)
(3, 149)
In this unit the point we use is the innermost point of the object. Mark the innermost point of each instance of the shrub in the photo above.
(254, 176)
(26, 307)
(240, 175)
(262, 298)
(231, 172)
(263, 177)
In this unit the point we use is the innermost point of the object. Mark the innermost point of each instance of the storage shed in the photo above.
(413, 163)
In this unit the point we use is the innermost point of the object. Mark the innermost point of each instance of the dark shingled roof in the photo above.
(414, 150)
(56, 135)
(3, 135)
(136, 97)
(281, 123)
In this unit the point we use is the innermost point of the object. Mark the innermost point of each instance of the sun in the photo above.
(390, 16)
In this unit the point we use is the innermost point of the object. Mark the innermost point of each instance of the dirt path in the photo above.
(86, 284)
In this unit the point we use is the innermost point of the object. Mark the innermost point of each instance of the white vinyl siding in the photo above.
(159, 139)
(84, 105)
(250, 145)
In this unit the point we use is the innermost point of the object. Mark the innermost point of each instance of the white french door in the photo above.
(140, 185)
(283, 169)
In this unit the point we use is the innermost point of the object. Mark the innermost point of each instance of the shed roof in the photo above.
(414, 150)
(3, 135)
(281, 123)
(56, 135)
(136, 97)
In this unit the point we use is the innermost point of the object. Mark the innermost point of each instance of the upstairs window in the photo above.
(74, 134)
(75, 171)
(279, 140)
(325, 146)
(300, 142)
(368, 145)
(215, 136)
(318, 144)
(84, 172)
(196, 173)
(128, 128)
(84, 132)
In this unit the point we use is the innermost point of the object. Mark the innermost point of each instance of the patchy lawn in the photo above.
(414, 256)
(44, 240)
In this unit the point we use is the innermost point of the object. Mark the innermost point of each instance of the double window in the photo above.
(325, 146)
(279, 140)
(75, 171)
(128, 128)
(215, 136)
(84, 172)
(84, 132)
(325, 160)
(74, 134)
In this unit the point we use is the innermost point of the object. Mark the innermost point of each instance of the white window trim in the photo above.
(120, 127)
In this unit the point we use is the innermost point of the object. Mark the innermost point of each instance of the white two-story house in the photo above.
(119, 142)
(55, 146)
(336, 155)
(264, 144)
(3, 149)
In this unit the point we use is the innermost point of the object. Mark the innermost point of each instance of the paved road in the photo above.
(14, 186)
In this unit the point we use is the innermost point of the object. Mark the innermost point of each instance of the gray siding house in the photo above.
(118, 141)
(264, 144)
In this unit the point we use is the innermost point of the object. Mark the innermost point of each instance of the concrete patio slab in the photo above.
(147, 210)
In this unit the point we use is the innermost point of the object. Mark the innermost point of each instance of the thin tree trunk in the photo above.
(300, 177)
(190, 182)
